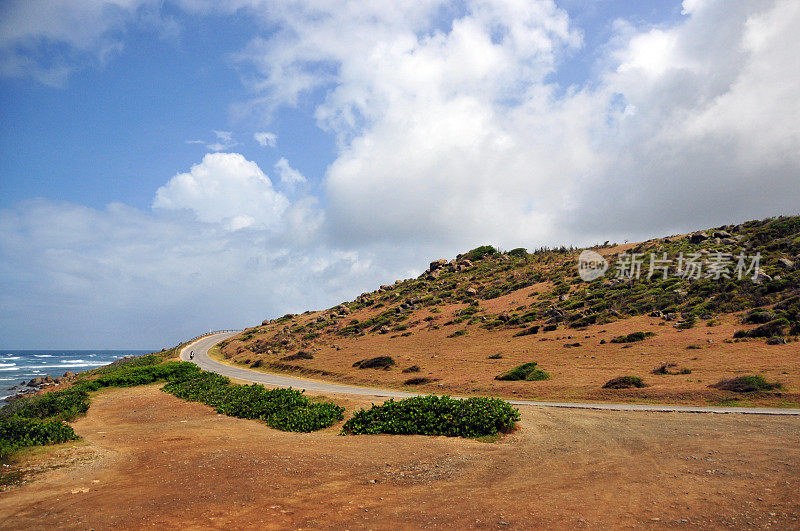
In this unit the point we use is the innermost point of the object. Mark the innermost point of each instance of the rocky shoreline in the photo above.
(38, 384)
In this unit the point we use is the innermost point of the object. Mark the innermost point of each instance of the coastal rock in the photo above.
(36, 382)
(69, 374)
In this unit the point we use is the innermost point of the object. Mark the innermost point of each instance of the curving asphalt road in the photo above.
(201, 347)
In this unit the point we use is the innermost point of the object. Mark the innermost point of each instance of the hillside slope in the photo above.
(716, 304)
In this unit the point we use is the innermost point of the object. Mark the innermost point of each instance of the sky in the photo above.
(174, 166)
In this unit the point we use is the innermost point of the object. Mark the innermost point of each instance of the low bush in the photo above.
(413, 368)
(380, 362)
(419, 380)
(302, 355)
(624, 382)
(19, 432)
(670, 368)
(434, 415)
(746, 384)
(526, 371)
(633, 337)
(282, 409)
(528, 331)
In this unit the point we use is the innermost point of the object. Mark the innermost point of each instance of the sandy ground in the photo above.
(149, 459)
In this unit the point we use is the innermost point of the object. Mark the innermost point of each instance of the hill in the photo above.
(686, 314)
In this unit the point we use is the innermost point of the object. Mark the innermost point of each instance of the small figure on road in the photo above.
(191, 355)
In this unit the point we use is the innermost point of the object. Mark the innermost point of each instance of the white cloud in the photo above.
(225, 188)
(123, 278)
(223, 142)
(266, 139)
(452, 130)
(289, 176)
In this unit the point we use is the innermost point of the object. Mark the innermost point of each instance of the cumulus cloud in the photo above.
(225, 188)
(453, 130)
(266, 139)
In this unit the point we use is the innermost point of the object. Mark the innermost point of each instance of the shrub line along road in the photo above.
(203, 345)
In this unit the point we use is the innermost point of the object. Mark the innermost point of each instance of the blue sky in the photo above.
(132, 186)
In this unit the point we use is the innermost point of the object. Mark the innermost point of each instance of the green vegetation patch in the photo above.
(282, 409)
(633, 337)
(526, 371)
(624, 382)
(380, 362)
(434, 415)
(746, 384)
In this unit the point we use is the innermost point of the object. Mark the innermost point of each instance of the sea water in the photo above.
(17, 367)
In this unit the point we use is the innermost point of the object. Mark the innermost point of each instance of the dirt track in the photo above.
(157, 460)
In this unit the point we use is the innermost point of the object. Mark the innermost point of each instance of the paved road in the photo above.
(202, 345)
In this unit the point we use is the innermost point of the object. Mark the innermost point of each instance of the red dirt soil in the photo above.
(150, 459)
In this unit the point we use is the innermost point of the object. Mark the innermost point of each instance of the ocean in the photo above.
(18, 366)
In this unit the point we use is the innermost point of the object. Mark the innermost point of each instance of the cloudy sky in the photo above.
(173, 166)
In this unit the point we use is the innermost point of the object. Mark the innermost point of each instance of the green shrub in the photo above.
(129, 362)
(480, 252)
(413, 368)
(526, 371)
(633, 337)
(282, 409)
(434, 415)
(301, 355)
(59, 405)
(380, 362)
(19, 432)
(624, 382)
(746, 384)
(419, 380)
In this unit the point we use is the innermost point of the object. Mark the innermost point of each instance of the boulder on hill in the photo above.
(698, 237)
(69, 374)
(786, 263)
(438, 264)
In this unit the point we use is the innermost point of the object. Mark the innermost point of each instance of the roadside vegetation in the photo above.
(435, 415)
(42, 419)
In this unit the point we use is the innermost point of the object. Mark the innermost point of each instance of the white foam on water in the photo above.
(62, 365)
(42, 355)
